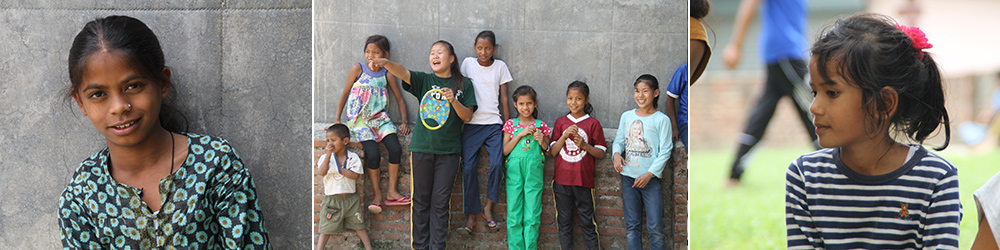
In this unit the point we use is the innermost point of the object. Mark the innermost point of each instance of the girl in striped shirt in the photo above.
(872, 81)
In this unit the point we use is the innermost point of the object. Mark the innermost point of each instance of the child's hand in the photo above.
(538, 134)
(329, 147)
(642, 180)
(448, 94)
(571, 131)
(618, 162)
(578, 140)
(676, 135)
(404, 129)
(377, 63)
(526, 131)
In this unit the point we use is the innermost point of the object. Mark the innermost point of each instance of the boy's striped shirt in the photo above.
(828, 205)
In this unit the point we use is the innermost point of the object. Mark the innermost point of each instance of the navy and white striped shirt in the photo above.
(828, 205)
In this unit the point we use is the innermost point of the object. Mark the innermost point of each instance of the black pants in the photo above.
(373, 156)
(433, 177)
(581, 200)
(784, 78)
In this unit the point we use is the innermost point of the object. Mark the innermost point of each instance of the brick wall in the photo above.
(391, 228)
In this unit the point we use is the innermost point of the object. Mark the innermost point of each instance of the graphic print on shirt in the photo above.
(434, 109)
(636, 145)
(361, 93)
(571, 152)
(904, 213)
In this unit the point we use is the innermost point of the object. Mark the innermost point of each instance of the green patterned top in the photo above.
(210, 202)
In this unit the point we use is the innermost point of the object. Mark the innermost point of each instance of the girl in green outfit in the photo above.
(525, 141)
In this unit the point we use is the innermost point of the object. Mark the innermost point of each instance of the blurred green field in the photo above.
(752, 216)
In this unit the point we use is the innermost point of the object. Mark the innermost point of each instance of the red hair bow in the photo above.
(917, 37)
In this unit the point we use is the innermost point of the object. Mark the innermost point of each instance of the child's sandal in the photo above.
(375, 208)
(464, 231)
(492, 225)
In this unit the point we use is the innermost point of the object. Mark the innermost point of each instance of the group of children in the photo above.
(459, 118)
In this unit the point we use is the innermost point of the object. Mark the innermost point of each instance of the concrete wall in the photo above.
(546, 44)
(242, 73)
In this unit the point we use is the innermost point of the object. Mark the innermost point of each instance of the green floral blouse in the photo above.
(210, 202)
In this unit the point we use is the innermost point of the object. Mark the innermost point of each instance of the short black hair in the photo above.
(340, 130)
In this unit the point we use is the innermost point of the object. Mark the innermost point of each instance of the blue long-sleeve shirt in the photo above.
(644, 142)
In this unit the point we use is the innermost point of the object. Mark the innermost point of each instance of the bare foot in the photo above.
(733, 183)
(470, 222)
(393, 195)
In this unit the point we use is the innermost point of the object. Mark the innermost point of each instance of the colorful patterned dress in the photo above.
(210, 202)
(366, 115)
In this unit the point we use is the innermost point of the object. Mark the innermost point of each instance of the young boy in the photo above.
(341, 207)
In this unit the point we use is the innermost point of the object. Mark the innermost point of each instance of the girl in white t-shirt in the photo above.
(490, 77)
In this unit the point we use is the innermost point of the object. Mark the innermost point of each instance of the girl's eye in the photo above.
(132, 86)
(832, 93)
(97, 94)
(813, 93)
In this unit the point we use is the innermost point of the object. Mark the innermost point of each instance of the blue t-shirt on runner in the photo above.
(783, 32)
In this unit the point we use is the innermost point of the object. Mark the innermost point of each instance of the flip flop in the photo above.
(492, 225)
(399, 202)
(375, 208)
(464, 231)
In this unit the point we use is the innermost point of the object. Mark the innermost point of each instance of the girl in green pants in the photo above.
(525, 139)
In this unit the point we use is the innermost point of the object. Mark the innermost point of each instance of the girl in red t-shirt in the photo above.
(577, 139)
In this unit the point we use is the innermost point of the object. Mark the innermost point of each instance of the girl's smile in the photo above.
(525, 105)
(372, 51)
(576, 101)
(644, 95)
(440, 59)
(117, 99)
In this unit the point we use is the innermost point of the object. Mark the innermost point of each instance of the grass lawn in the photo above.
(752, 216)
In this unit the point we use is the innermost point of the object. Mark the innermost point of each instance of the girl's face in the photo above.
(484, 51)
(576, 101)
(837, 109)
(440, 58)
(372, 51)
(525, 105)
(644, 95)
(122, 105)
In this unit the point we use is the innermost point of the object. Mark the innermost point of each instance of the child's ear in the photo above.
(890, 98)
(167, 84)
(79, 103)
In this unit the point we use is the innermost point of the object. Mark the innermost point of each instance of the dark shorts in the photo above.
(340, 211)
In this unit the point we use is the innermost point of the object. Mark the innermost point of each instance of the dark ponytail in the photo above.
(457, 79)
(132, 39)
(582, 86)
(924, 122)
(530, 92)
(870, 51)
